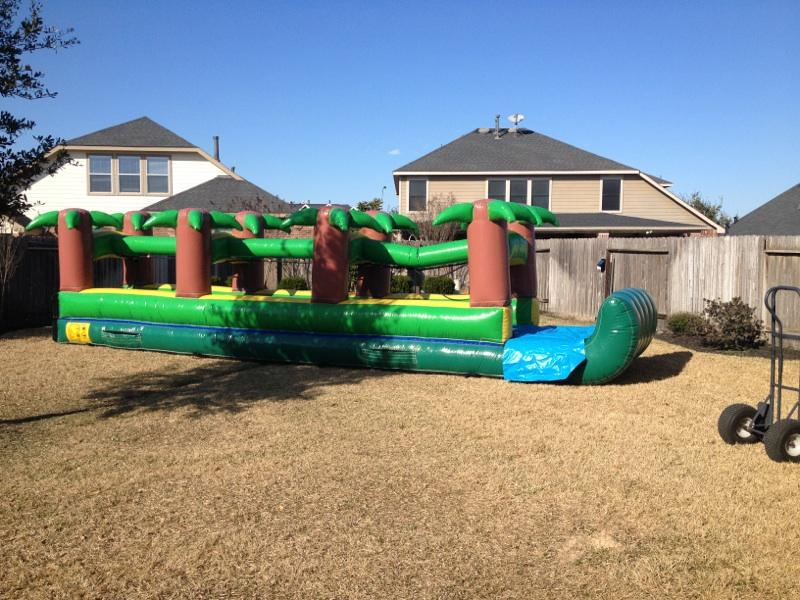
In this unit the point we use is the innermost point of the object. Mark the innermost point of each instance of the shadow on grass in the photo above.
(654, 368)
(219, 386)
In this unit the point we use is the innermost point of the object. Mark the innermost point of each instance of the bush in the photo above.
(293, 283)
(732, 325)
(686, 323)
(438, 285)
(402, 284)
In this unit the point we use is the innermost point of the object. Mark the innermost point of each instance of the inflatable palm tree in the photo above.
(487, 223)
(376, 280)
(75, 243)
(330, 266)
(192, 246)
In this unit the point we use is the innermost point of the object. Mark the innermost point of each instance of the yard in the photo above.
(141, 475)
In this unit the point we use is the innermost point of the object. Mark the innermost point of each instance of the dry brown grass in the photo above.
(144, 475)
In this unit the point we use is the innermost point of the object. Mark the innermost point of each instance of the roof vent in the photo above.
(497, 127)
(483, 130)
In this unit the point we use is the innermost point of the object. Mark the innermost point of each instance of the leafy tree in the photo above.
(20, 36)
(708, 208)
(374, 204)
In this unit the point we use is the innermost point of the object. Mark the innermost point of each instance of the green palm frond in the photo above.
(48, 219)
(72, 218)
(221, 220)
(101, 219)
(167, 218)
(460, 212)
(273, 222)
(544, 215)
(359, 218)
(305, 217)
(137, 221)
(194, 218)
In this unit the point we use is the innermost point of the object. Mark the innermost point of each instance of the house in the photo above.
(779, 216)
(590, 194)
(226, 194)
(140, 164)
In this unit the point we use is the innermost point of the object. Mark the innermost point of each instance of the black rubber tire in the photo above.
(782, 441)
(730, 424)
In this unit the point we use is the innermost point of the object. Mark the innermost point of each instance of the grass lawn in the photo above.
(145, 475)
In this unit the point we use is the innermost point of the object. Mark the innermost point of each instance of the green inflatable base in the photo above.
(380, 352)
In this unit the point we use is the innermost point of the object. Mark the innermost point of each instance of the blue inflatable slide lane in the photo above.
(626, 324)
(544, 353)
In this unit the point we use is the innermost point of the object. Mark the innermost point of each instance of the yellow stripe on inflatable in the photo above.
(166, 293)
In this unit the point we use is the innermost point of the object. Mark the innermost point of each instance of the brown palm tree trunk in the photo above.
(248, 276)
(523, 277)
(330, 267)
(192, 257)
(374, 280)
(137, 271)
(487, 260)
(75, 261)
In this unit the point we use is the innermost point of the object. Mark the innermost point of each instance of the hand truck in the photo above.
(776, 420)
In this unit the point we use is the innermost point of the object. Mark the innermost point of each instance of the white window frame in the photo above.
(527, 189)
(89, 174)
(116, 179)
(408, 194)
(146, 175)
(549, 181)
(621, 194)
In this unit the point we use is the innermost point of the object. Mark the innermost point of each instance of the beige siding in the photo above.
(574, 194)
(461, 189)
(568, 194)
(640, 199)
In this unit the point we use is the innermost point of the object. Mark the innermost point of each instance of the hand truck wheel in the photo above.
(782, 441)
(735, 424)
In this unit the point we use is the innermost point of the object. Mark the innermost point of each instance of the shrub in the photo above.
(686, 323)
(293, 283)
(402, 284)
(438, 285)
(732, 325)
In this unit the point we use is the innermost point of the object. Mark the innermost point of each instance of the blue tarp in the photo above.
(544, 353)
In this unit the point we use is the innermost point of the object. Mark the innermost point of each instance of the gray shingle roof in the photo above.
(525, 150)
(779, 216)
(139, 133)
(606, 220)
(226, 194)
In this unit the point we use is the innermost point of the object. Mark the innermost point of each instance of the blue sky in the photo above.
(322, 100)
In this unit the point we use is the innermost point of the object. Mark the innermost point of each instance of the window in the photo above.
(100, 173)
(157, 175)
(518, 191)
(130, 181)
(497, 189)
(417, 195)
(612, 195)
(540, 193)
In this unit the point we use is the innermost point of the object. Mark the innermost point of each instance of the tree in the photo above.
(374, 204)
(18, 37)
(708, 208)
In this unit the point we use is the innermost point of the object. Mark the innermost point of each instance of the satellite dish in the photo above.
(516, 118)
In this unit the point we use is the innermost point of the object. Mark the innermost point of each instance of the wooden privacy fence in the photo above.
(678, 272)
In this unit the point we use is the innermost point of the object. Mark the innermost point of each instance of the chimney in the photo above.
(497, 127)
(216, 147)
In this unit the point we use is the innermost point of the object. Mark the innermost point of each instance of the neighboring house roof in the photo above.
(143, 134)
(514, 150)
(606, 221)
(139, 133)
(779, 216)
(295, 206)
(227, 195)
